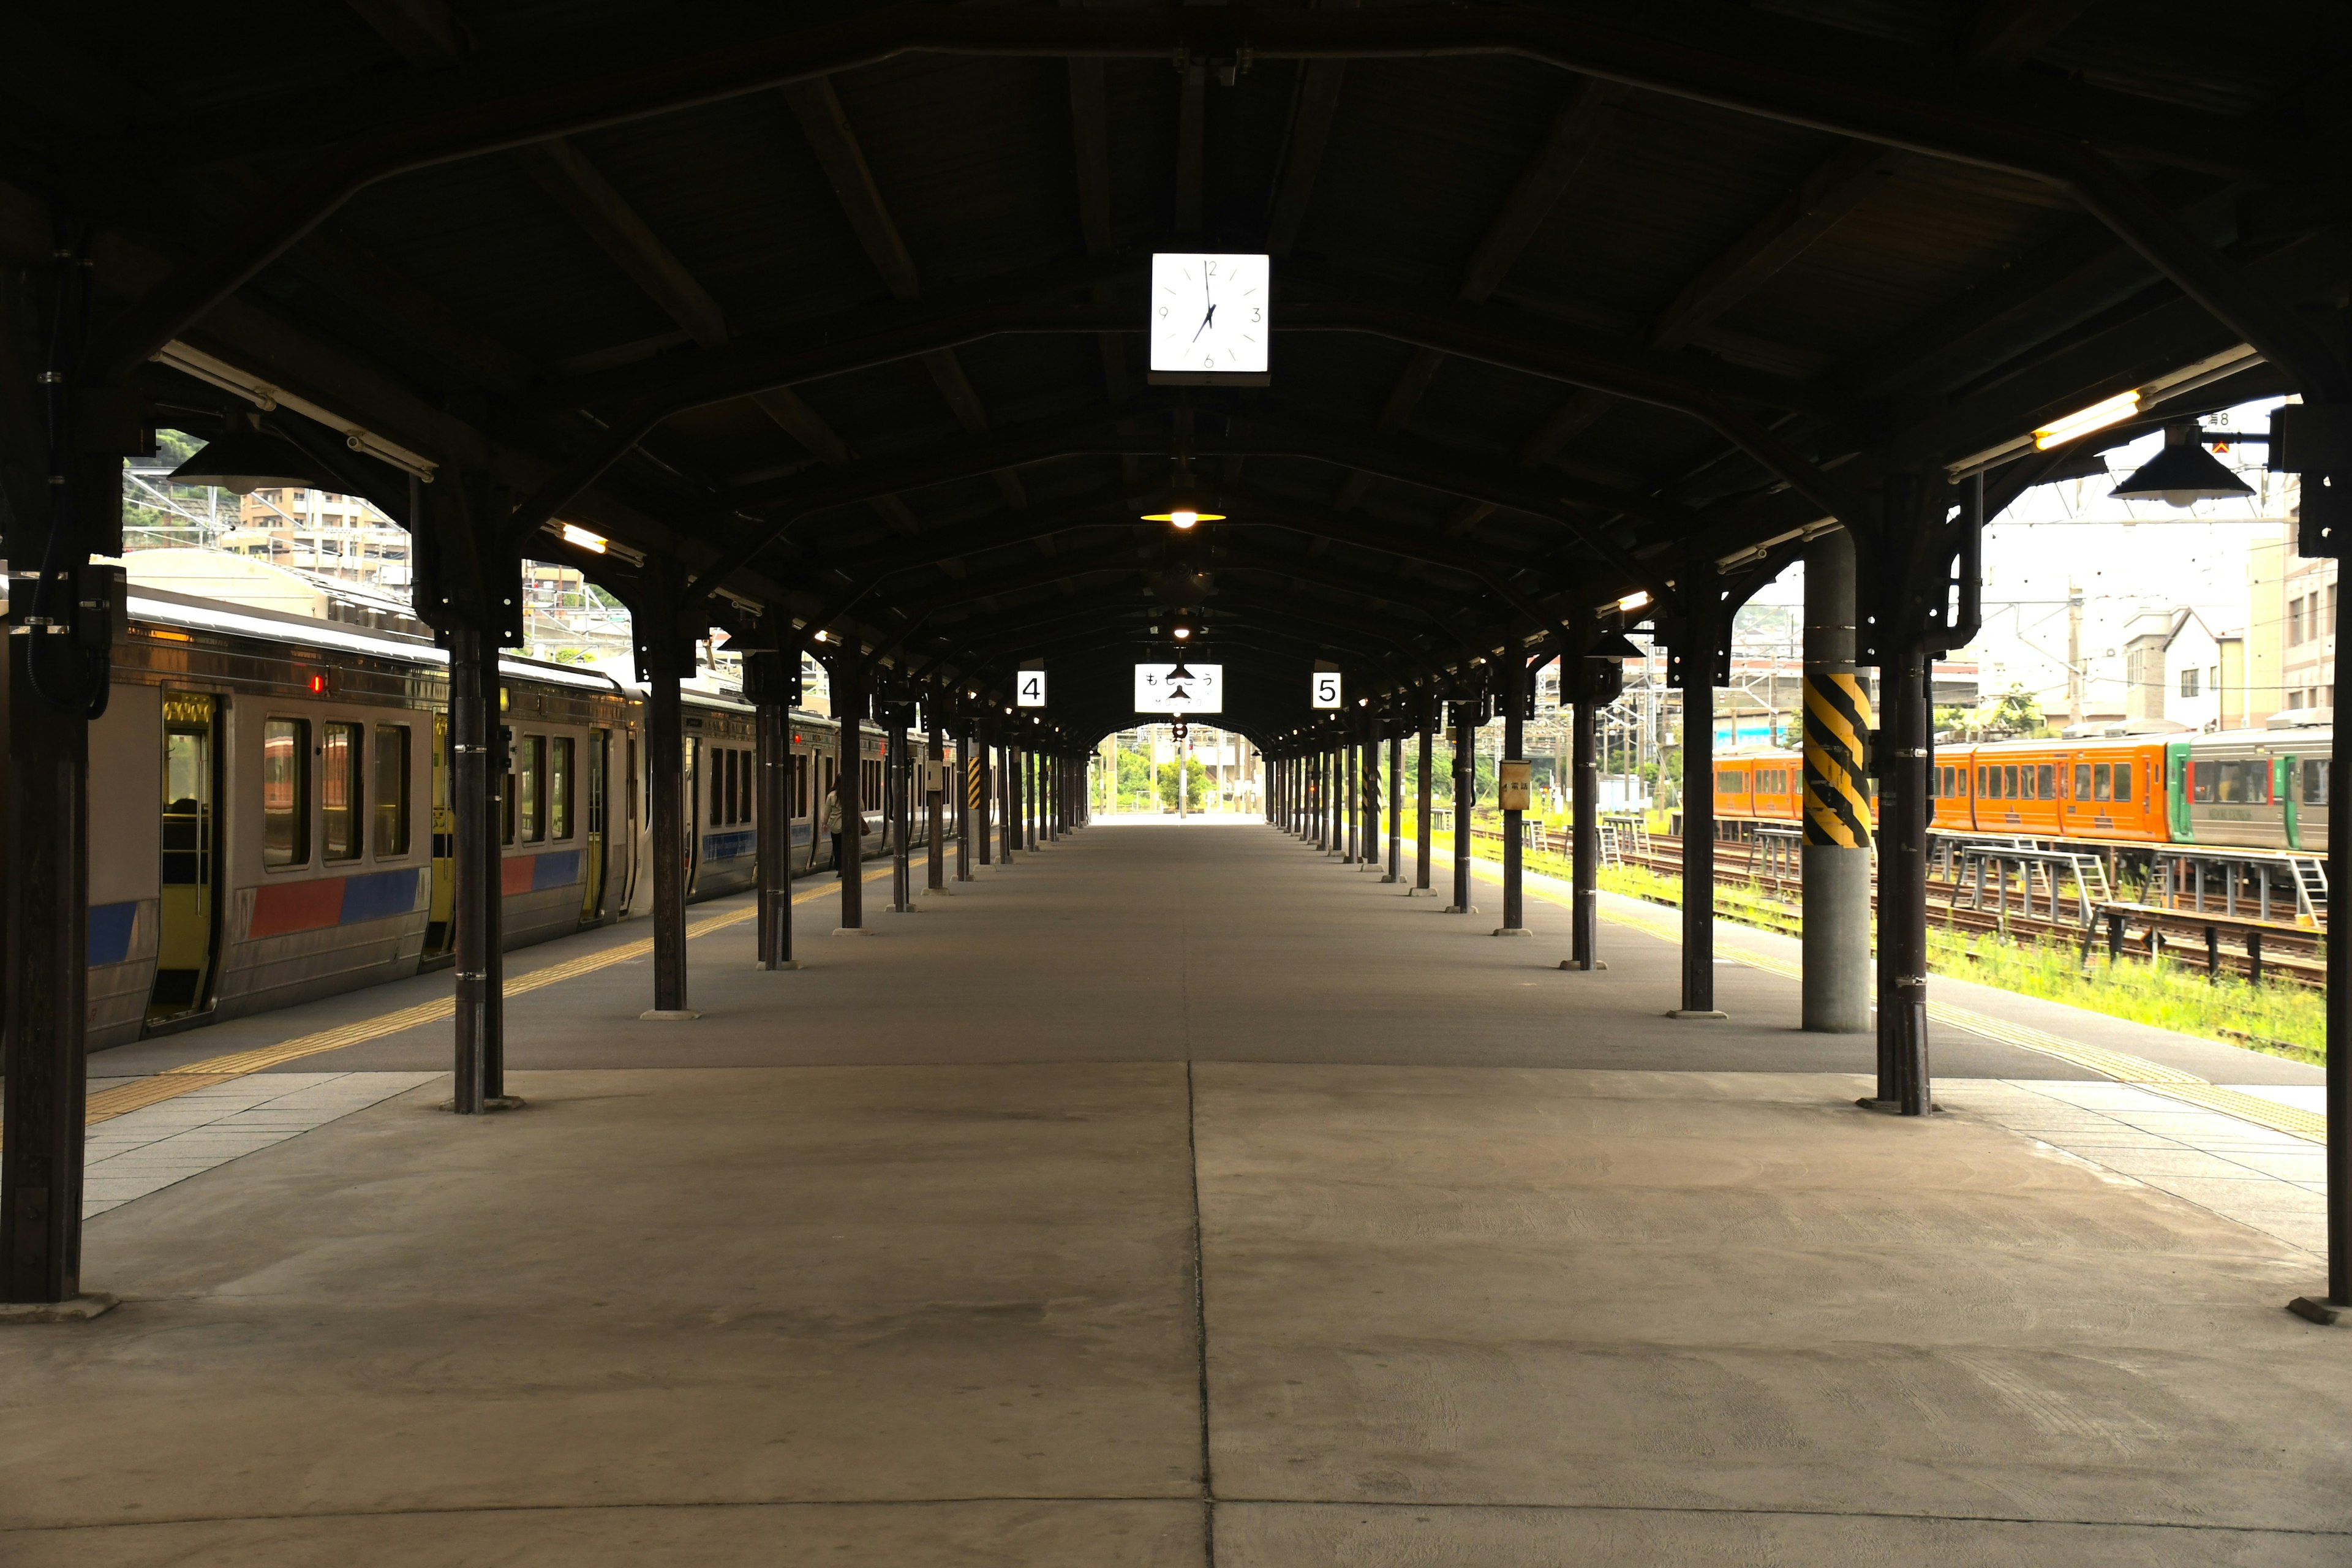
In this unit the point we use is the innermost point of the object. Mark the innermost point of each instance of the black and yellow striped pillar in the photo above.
(1837, 983)
(1837, 731)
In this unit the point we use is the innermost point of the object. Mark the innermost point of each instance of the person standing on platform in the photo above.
(833, 819)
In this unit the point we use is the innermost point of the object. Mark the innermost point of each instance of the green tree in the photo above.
(1196, 784)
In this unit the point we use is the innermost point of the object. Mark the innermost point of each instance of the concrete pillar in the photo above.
(965, 783)
(1837, 964)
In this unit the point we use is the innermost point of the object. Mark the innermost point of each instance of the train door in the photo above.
(636, 825)
(189, 907)
(693, 813)
(440, 913)
(592, 869)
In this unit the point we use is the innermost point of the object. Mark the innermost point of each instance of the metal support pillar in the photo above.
(1369, 800)
(1351, 796)
(2337, 945)
(1008, 789)
(1515, 744)
(983, 788)
(666, 782)
(1585, 873)
(895, 824)
(475, 767)
(45, 962)
(935, 802)
(1396, 809)
(1702, 634)
(1836, 868)
(1421, 788)
(773, 825)
(849, 713)
(1465, 797)
(1903, 1074)
(965, 782)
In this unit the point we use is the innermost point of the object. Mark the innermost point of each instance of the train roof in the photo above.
(165, 608)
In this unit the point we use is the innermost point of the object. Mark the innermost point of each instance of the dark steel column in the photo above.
(1514, 745)
(2338, 1004)
(1028, 799)
(47, 961)
(666, 779)
(1903, 1076)
(983, 790)
(895, 824)
(1352, 804)
(848, 711)
(1008, 816)
(965, 782)
(1422, 797)
(1369, 747)
(774, 828)
(1396, 809)
(1465, 797)
(1583, 943)
(474, 899)
(1702, 635)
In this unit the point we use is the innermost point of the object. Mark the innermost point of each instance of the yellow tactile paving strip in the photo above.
(2124, 1068)
(172, 1082)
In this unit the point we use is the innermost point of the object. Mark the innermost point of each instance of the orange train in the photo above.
(2251, 788)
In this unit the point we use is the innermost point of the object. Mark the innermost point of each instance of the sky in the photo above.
(2125, 556)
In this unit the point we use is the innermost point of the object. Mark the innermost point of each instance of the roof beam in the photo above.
(1090, 145)
(1302, 154)
(1716, 53)
(1849, 178)
(818, 109)
(2007, 33)
(1575, 131)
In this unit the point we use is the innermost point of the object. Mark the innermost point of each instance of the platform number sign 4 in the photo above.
(1029, 690)
(1326, 689)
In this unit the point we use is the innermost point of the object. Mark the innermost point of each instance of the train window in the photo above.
(2083, 781)
(2123, 781)
(2231, 783)
(339, 790)
(531, 784)
(735, 791)
(286, 793)
(391, 791)
(2101, 783)
(2009, 781)
(800, 784)
(559, 789)
(2315, 780)
(507, 787)
(2045, 781)
(1728, 781)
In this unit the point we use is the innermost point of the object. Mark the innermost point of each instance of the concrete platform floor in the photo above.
(1172, 1189)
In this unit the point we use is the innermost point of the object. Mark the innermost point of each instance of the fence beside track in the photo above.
(2249, 949)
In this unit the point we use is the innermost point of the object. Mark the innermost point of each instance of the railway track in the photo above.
(2249, 949)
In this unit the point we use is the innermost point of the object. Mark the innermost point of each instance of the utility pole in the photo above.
(2074, 652)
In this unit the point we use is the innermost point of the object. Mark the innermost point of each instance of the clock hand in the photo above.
(1205, 323)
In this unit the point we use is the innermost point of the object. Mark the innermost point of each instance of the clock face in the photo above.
(1210, 317)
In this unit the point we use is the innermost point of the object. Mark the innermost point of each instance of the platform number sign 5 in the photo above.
(1327, 689)
(1029, 690)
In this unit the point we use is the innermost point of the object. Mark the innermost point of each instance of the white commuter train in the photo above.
(270, 821)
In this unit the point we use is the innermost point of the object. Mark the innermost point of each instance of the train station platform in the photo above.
(1176, 1194)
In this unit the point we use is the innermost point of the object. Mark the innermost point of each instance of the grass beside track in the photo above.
(2281, 1020)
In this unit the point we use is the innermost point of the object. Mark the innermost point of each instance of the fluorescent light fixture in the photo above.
(1634, 600)
(575, 534)
(820, 636)
(2083, 421)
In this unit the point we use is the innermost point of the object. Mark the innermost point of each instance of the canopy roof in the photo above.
(841, 308)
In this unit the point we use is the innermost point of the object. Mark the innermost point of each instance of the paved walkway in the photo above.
(1173, 1184)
